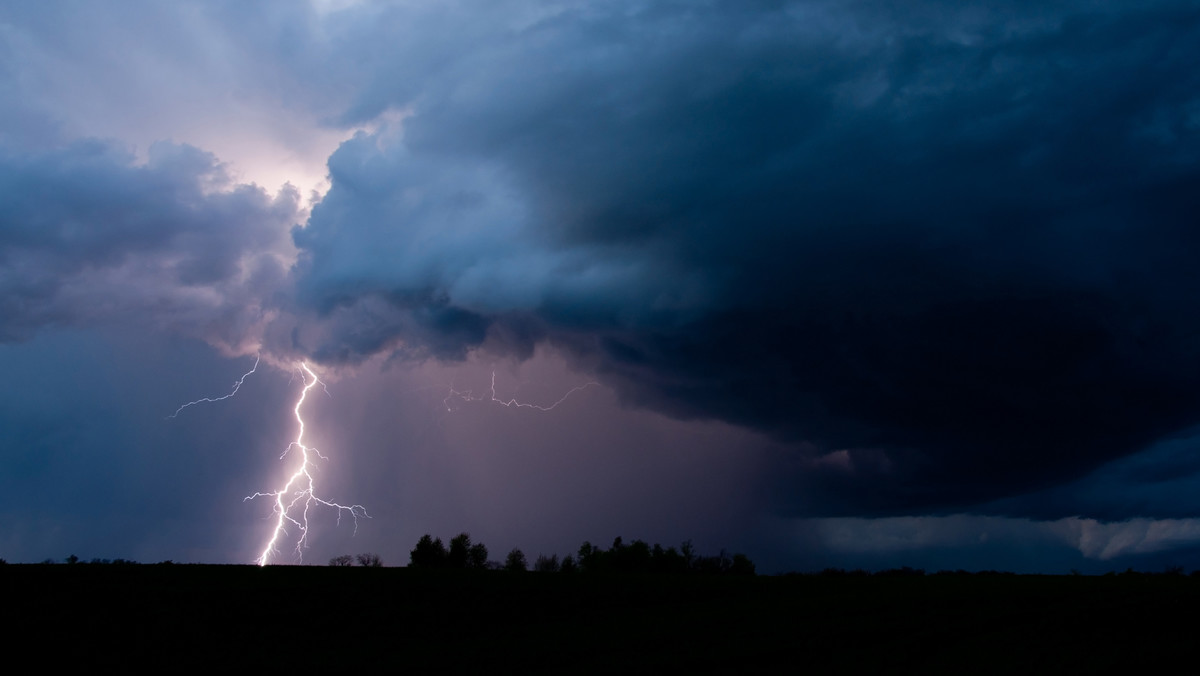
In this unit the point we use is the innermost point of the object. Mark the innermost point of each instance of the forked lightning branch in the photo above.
(292, 502)
(298, 496)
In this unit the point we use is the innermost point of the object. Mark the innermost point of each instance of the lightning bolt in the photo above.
(236, 386)
(466, 395)
(298, 496)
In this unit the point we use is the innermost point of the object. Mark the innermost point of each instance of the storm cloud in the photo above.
(845, 273)
(951, 246)
(88, 235)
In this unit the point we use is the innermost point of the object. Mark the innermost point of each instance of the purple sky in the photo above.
(855, 286)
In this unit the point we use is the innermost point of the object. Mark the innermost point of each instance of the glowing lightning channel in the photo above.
(298, 494)
(236, 385)
(465, 395)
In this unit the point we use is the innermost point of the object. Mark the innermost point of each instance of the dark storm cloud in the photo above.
(1161, 482)
(88, 235)
(950, 249)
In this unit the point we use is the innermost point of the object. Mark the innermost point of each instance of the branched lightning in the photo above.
(236, 385)
(297, 497)
(294, 500)
(466, 395)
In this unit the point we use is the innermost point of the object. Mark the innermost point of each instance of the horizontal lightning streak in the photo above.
(466, 395)
(236, 386)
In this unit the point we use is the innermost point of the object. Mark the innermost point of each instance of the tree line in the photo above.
(634, 557)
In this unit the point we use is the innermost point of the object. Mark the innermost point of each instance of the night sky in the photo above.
(856, 283)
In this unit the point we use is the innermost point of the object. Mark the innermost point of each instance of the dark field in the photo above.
(301, 619)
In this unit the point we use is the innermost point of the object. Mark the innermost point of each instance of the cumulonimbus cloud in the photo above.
(948, 251)
(957, 249)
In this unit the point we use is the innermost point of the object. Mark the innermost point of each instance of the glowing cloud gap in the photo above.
(298, 494)
(465, 395)
(237, 385)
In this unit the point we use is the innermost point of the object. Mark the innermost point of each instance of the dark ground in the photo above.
(303, 619)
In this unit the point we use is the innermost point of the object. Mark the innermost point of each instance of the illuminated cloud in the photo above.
(90, 236)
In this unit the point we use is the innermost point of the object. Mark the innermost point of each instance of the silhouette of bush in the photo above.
(546, 564)
(342, 561)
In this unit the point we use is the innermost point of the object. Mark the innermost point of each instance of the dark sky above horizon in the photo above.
(856, 285)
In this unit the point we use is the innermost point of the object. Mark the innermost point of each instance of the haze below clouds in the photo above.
(846, 276)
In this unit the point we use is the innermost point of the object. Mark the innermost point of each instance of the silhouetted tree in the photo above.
(460, 551)
(667, 561)
(714, 565)
(688, 552)
(631, 558)
(369, 560)
(546, 564)
(477, 557)
(568, 564)
(341, 561)
(515, 561)
(640, 557)
(72, 559)
(590, 558)
(429, 553)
